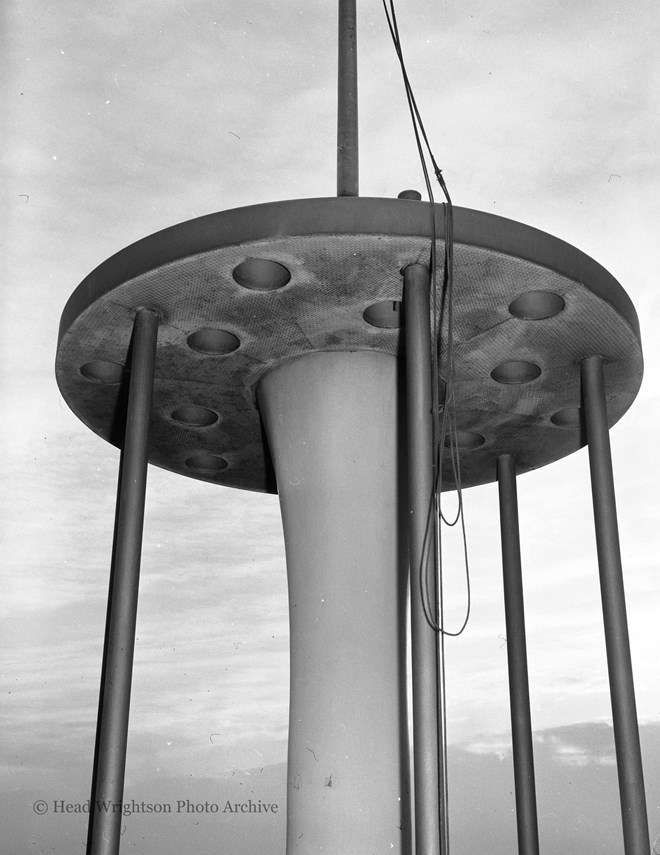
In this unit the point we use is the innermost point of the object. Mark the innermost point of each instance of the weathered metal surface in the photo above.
(344, 255)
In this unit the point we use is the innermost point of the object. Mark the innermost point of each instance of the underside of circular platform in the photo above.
(240, 292)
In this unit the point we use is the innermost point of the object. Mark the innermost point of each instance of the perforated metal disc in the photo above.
(241, 291)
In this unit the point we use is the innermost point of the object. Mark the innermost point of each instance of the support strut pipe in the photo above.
(521, 720)
(112, 725)
(619, 664)
(420, 486)
(347, 102)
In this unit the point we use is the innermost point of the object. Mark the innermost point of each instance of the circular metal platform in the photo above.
(241, 291)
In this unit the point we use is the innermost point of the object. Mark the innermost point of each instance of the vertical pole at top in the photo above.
(347, 102)
(105, 815)
(619, 664)
(423, 594)
(521, 720)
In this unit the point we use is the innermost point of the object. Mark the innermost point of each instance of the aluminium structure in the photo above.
(287, 347)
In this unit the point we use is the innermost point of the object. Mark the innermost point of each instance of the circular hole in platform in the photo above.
(213, 341)
(386, 314)
(537, 305)
(205, 462)
(195, 416)
(515, 372)
(570, 417)
(102, 371)
(260, 274)
(466, 439)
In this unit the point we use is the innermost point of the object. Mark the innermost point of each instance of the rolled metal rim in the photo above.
(345, 216)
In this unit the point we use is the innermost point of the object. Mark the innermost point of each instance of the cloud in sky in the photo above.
(578, 803)
(575, 777)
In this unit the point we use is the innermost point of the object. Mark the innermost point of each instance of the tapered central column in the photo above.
(333, 430)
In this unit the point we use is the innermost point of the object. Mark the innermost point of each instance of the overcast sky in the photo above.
(122, 119)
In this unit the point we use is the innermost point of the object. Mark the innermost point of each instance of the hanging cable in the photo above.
(444, 424)
(445, 429)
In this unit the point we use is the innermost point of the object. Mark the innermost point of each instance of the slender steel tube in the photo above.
(622, 690)
(420, 486)
(521, 720)
(105, 814)
(347, 102)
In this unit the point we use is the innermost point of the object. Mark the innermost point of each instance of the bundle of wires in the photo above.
(444, 417)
